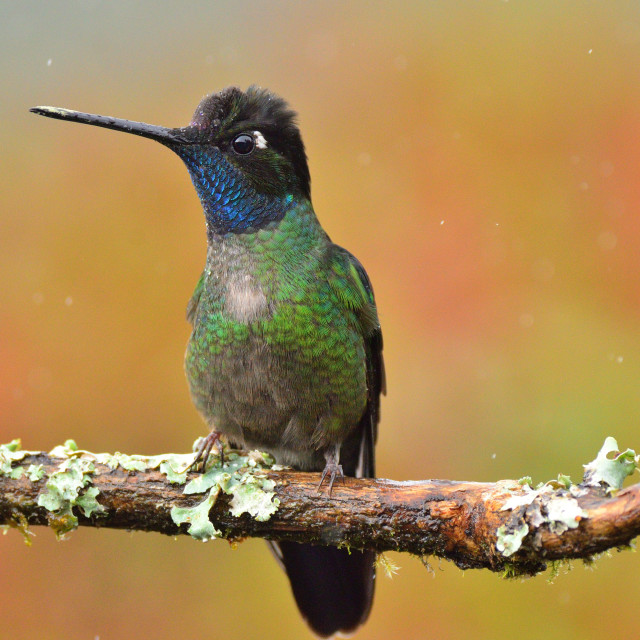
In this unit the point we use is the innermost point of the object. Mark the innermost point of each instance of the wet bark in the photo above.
(458, 521)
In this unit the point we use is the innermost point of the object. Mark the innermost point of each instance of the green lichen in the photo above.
(68, 488)
(240, 477)
(88, 503)
(514, 502)
(66, 450)
(554, 502)
(173, 465)
(254, 496)
(65, 490)
(610, 467)
(10, 453)
(550, 504)
(35, 472)
(175, 468)
(509, 540)
(563, 513)
(564, 481)
(197, 517)
(128, 463)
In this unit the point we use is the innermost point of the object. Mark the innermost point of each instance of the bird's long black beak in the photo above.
(164, 135)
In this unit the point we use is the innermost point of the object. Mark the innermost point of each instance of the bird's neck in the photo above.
(250, 274)
(229, 201)
(296, 241)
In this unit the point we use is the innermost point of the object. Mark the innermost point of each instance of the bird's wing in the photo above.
(192, 305)
(353, 288)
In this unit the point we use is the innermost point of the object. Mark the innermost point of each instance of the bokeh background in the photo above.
(480, 158)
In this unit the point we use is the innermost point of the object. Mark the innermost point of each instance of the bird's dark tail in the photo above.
(332, 587)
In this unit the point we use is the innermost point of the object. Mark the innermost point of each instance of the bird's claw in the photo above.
(204, 449)
(331, 469)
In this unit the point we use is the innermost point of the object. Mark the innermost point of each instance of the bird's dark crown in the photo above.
(222, 116)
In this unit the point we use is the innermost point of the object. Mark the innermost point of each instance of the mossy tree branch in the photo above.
(498, 526)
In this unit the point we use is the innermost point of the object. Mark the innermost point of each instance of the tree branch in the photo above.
(498, 526)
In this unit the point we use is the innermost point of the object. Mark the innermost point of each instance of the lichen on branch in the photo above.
(504, 526)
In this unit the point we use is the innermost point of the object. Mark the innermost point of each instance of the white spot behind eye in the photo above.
(261, 141)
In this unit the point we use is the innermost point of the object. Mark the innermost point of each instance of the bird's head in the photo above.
(243, 150)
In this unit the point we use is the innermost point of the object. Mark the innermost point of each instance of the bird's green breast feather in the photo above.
(311, 314)
(312, 287)
(313, 325)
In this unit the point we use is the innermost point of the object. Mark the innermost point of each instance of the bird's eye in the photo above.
(243, 144)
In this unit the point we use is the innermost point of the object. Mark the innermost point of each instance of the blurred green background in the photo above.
(480, 158)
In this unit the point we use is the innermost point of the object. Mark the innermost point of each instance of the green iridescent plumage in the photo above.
(277, 358)
(286, 349)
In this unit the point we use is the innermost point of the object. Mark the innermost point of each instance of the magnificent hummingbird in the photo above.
(285, 355)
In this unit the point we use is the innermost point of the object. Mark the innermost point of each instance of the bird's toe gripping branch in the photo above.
(204, 450)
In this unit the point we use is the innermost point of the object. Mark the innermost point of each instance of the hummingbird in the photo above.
(285, 353)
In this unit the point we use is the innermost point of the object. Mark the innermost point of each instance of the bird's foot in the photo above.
(331, 470)
(204, 449)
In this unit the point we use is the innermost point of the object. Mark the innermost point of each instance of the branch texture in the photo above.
(476, 525)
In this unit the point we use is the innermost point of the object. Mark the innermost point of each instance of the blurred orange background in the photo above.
(480, 158)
